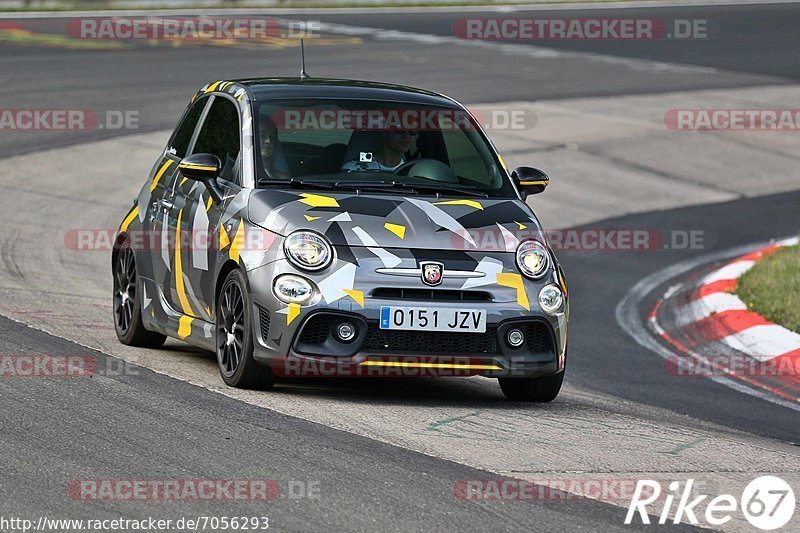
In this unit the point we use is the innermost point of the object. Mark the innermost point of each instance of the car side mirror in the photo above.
(530, 180)
(204, 168)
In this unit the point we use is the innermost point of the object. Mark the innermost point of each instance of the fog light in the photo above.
(346, 331)
(515, 338)
(550, 298)
(293, 289)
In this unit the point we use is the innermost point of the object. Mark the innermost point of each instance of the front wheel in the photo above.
(234, 338)
(541, 389)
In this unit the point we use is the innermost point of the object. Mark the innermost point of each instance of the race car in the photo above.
(344, 228)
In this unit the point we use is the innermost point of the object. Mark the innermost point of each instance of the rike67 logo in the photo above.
(767, 503)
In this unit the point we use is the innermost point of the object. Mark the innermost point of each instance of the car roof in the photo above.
(282, 88)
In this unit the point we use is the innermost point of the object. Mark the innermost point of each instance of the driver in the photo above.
(391, 155)
(268, 133)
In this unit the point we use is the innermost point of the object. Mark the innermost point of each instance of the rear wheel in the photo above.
(234, 339)
(541, 389)
(127, 306)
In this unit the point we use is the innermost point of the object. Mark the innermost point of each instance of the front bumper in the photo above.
(300, 342)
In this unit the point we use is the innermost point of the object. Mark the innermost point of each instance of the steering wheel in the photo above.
(430, 169)
(402, 170)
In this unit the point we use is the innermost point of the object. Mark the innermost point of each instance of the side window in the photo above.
(179, 142)
(220, 136)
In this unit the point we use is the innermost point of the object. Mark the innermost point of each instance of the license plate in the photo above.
(425, 319)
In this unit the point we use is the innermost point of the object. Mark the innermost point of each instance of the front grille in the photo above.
(382, 340)
(431, 294)
(264, 319)
(317, 328)
(537, 335)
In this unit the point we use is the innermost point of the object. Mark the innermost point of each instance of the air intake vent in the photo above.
(430, 342)
(430, 294)
(538, 337)
(264, 319)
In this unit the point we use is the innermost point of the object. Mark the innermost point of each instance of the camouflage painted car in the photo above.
(333, 227)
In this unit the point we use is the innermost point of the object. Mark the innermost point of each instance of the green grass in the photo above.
(772, 288)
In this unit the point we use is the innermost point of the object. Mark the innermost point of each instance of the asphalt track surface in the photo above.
(147, 425)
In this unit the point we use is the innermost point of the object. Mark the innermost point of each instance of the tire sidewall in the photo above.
(127, 337)
(246, 360)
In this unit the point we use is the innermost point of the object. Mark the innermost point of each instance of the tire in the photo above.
(541, 389)
(234, 337)
(127, 304)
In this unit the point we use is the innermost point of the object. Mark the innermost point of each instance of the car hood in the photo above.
(392, 221)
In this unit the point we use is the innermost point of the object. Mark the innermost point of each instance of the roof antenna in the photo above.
(303, 74)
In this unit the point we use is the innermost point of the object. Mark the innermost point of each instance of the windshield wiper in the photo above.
(416, 187)
(296, 183)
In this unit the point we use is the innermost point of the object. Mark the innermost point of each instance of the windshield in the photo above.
(355, 144)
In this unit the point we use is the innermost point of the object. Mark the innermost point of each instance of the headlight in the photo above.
(532, 259)
(308, 250)
(292, 289)
(550, 299)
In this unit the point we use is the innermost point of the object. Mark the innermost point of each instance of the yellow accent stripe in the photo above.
(397, 229)
(213, 87)
(180, 288)
(185, 326)
(358, 296)
(507, 279)
(184, 180)
(160, 173)
(208, 203)
(192, 166)
(470, 203)
(310, 218)
(294, 311)
(452, 366)
(521, 225)
(224, 238)
(317, 200)
(502, 162)
(538, 182)
(238, 243)
(128, 219)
